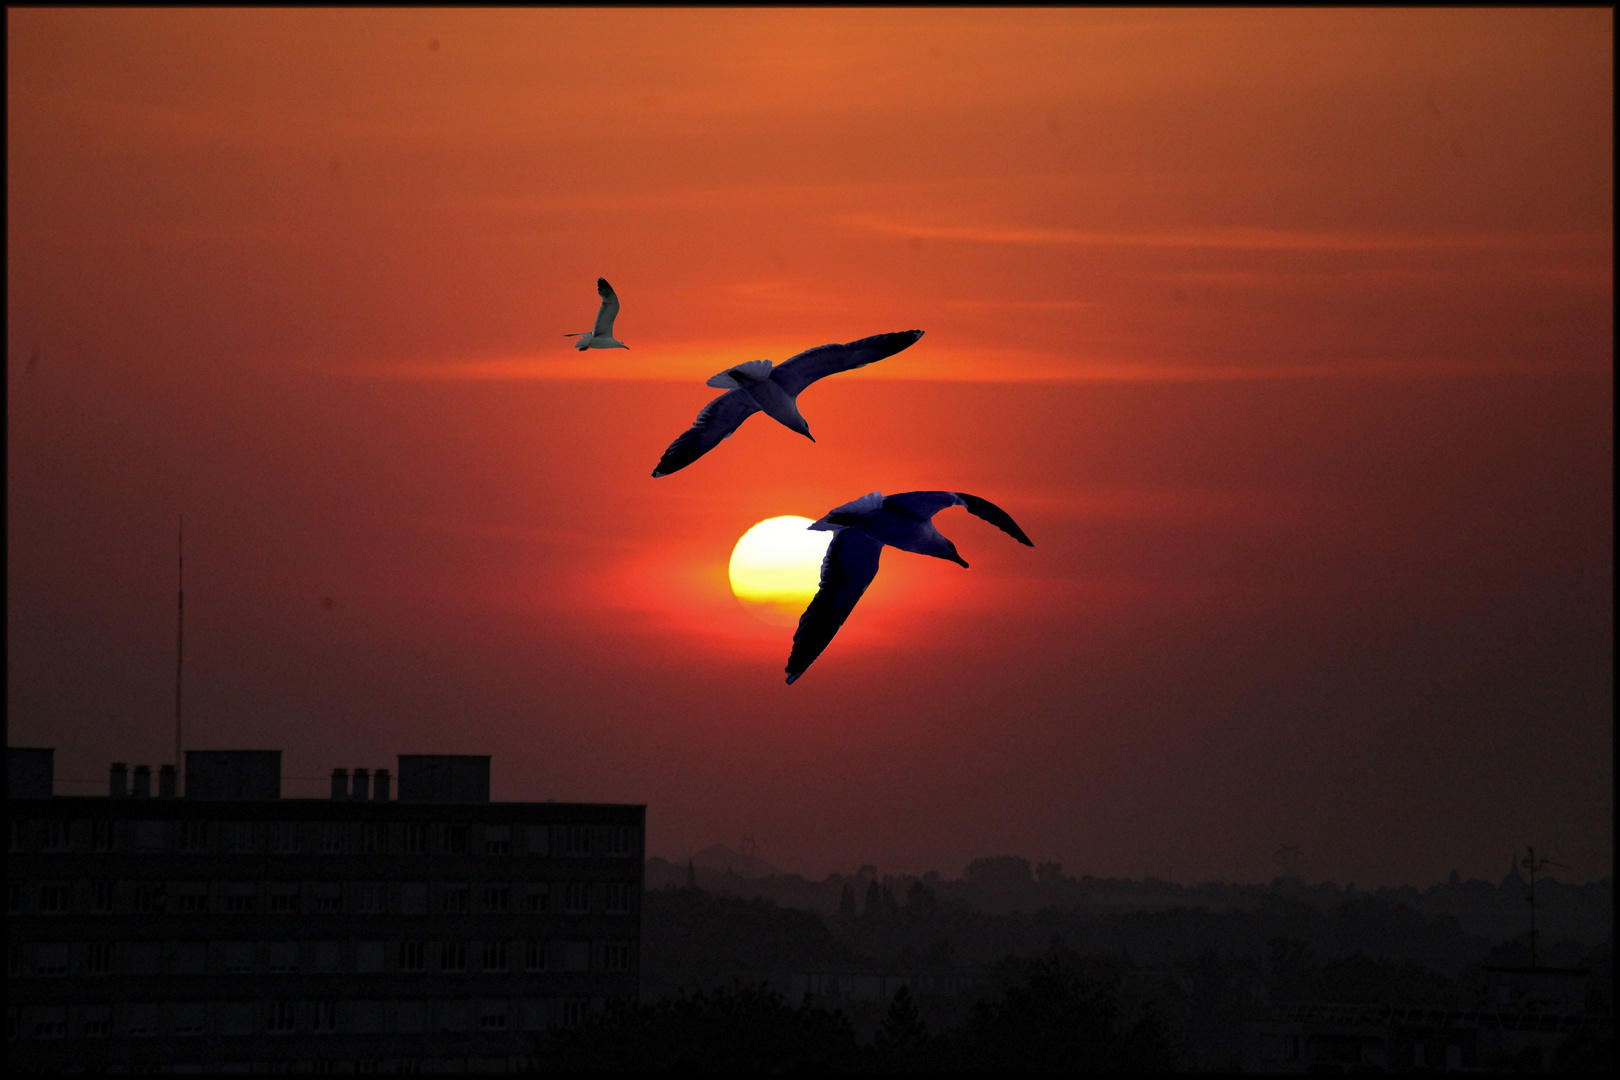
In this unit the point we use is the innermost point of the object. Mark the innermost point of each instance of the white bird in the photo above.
(755, 385)
(602, 336)
(861, 529)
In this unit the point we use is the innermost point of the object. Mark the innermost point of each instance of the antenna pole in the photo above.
(179, 641)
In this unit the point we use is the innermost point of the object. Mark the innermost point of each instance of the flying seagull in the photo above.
(755, 385)
(860, 529)
(602, 336)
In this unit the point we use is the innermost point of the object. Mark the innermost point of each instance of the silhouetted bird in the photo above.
(602, 336)
(755, 385)
(862, 528)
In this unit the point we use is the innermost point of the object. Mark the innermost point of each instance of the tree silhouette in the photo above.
(846, 902)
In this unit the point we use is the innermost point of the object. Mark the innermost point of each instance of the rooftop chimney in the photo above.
(379, 790)
(362, 785)
(166, 781)
(118, 780)
(143, 781)
(340, 783)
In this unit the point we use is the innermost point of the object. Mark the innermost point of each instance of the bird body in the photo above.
(757, 386)
(601, 335)
(862, 529)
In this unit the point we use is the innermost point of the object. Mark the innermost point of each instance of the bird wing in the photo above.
(717, 421)
(608, 311)
(848, 568)
(923, 505)
(798, 372)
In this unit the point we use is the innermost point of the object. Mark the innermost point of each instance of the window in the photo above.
(1453, 1056)
(452, 1016)
(58, 835)
(244, 837)
(616, 841)
(188, 1018)
(143, 1019)
(50, 1023)
(17, 830)
(14, 891)
(414, 839)
(149, 836)
(617, 898)
(534, 956)
(368, 956)
(329, 838)
(241, 897)
(1418, 1061)
(284, 897)
(325, 1017)
(539, 839)
(146, 898)
(328, 898)
(98, 958)
(410, 1017)
(284, 957)
(498, 898)
(191, 897)
(576, 840)
(98, 1021)
(239, 957)
(327, 956)
(52, 959)
(616, 956)
(537, 897)
(101, 896)
(53, 898)
(191, 958)
(284, 837)
(367, 1016)
(236, 1019)
(492, 1016)
(497, 839)
(412, 955)
(101, 836)
(570, 955)
(455, 839)
(14, 961)
(373, 838)
(453, 956)
(371, 899)
(145, 958)
(534, 1014)
(194, 837)
(494, 956)
(574, 1013)
(413, 898)
(577, 897)
(283, 1017)
(454, 899)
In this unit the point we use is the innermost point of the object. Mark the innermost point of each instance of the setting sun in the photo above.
(776, 567)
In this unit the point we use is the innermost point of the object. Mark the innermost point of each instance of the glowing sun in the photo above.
(776, 567)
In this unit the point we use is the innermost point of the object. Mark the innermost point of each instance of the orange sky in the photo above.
(1286, 335)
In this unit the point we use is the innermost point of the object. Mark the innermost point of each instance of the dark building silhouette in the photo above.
(234, 930)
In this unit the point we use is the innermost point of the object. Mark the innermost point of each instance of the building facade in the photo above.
(233, 930)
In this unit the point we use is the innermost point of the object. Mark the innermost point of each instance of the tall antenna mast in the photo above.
(179, 641)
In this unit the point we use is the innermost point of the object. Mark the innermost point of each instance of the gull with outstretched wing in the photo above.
(861, 530)
(755, 386)
(601, 336)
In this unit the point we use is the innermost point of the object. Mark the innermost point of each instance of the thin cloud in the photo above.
(1230, 239)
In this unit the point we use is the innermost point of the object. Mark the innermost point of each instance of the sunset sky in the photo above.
(1287, 336)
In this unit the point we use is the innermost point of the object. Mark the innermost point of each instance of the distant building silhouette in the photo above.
(233, 929)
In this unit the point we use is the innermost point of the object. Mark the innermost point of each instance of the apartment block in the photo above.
(231, 930)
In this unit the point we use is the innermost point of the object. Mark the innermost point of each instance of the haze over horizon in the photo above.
(1287, 336)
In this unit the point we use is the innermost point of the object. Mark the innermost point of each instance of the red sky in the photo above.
(1287, 336)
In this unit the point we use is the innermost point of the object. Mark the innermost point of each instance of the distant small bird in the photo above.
(755, 385)
(602, 336)
(862, 528)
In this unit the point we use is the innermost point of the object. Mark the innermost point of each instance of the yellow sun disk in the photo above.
(776, 568)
